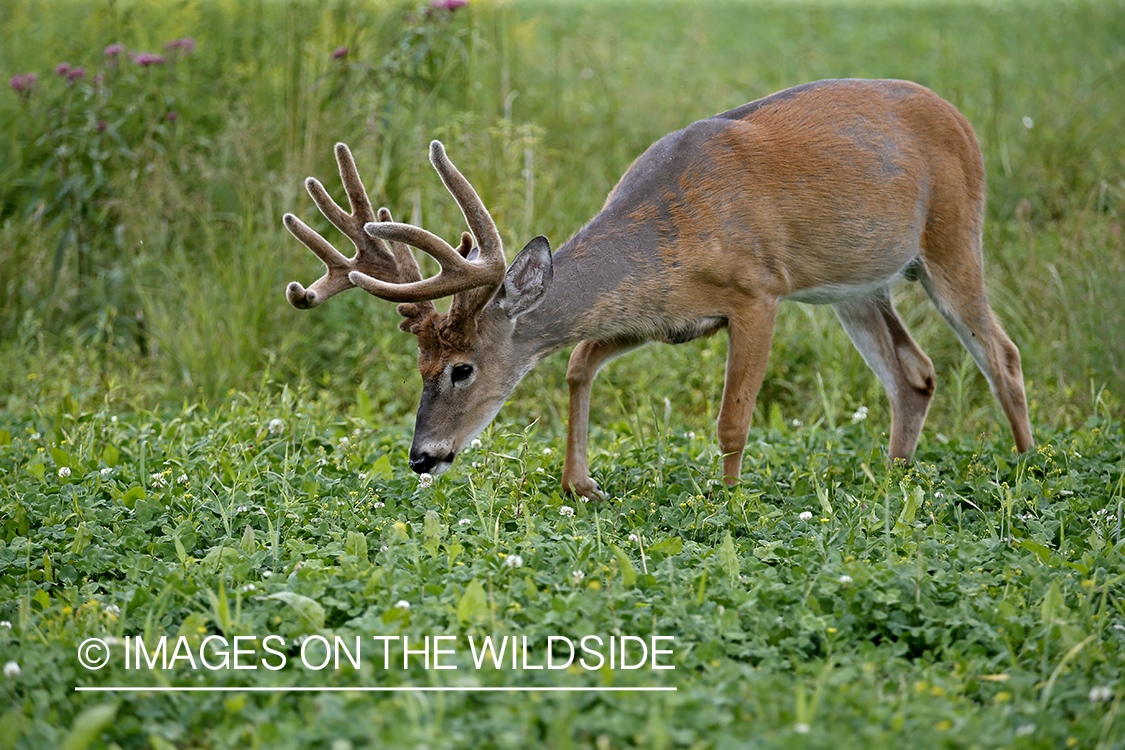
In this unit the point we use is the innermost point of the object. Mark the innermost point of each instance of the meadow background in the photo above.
(236, 466)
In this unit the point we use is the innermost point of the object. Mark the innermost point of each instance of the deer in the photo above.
(826, 193)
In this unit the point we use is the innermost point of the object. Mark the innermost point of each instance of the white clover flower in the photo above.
(157, 480)
(64, 472)
(801, 728)
(805, 515)
(567, 511)
(465, 521)
(248, 588)
(634, 538)
(35, 436)
(477, 464)
(689, 435)
(267, 573)
(845, 580)
(795, 423)
(11, 670)
(344, 442)
(105, 471)
(5, 624)
(377, 505)
(476, 443)
(242, 509)
(514, 561)
(860, 415)
(1028, 122)
(113, 609)
(402, 604)
(1101, 693)
(577, 576)
(183, 479)
(425, 480)
(113, 418)
(276, 426)
(547, 451)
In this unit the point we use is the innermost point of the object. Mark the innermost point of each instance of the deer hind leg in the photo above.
(956, 287)
(751, 331)
(585, 361)
(904, 369)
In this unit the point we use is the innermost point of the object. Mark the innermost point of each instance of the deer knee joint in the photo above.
(918, 370)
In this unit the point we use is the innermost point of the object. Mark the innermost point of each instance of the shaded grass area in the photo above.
(970, 600)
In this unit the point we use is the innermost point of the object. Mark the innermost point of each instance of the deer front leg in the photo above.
(751, 331)
(585, 361)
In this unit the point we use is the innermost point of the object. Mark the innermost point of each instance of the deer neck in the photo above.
(599, 291)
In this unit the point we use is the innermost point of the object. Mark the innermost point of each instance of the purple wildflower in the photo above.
(448, 4)
(145, 59)
(339, 52)
(187, 44)
(23, 83)
(62, 69)
(76, 74)
(172, 116)
(102, 125)
(114, 50)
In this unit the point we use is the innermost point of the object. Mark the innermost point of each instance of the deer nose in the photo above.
(421, 463)
(424, 462)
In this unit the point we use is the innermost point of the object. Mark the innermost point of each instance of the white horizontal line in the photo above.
(300, 689)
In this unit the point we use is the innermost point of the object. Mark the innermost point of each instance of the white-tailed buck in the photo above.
(824, 193)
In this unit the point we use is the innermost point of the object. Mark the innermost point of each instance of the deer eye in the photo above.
(460, 373)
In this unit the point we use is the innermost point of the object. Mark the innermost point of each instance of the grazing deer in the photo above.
(825, 193)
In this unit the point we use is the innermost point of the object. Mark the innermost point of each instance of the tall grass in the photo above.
(543, 107)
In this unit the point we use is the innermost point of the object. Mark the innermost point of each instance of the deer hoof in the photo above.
(584, 487)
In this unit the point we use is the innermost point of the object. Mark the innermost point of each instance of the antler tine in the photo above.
(457, 274)
(331, 283)
(373, 257)
(484, 272)
(477, 216)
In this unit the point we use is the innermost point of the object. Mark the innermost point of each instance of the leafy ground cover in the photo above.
(972, 599)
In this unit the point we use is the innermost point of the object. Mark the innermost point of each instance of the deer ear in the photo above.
(527, 279)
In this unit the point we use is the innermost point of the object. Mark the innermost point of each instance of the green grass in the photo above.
(971, 600)
(145, 337)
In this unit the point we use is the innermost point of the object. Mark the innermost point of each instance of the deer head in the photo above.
(467, 357)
